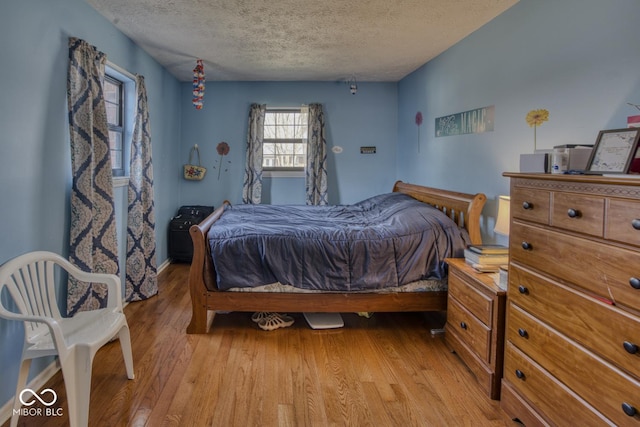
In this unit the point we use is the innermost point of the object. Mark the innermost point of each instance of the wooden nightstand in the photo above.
(475, 323)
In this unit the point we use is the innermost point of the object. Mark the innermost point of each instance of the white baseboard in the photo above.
(35, 384)
(165, 264)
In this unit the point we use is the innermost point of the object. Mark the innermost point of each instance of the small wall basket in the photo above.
(191, 171)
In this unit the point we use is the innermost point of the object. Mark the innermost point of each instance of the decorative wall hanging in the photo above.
(419, 123)
(534, 119)
(198, 84)
(191, 171)
(223, 149)
(633, 121)
(478, 120)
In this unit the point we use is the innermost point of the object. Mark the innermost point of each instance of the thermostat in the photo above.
(367, 150)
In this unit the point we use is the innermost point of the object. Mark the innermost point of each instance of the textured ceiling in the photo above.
(297, 40)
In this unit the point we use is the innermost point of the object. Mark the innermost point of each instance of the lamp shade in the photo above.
(503, 219)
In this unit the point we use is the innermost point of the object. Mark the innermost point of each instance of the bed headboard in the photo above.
(464, 209)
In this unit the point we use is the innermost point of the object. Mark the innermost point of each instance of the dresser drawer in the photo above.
(559, 404)
(580, 370)
(602, 328)
(599, 268)
(479, 304)
(576, 212)
(530, 204)
(473, 332)
(622, 215)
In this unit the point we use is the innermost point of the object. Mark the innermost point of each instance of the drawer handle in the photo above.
(520, 375)
(527, 205)
(523, 333)
(634, 282)
(523, 289)
(630, 347)
(527, 246)
(629, 409)
(463, 325)
(573, 213)
(636, 224)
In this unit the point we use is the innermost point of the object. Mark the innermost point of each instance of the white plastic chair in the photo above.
(30, 280)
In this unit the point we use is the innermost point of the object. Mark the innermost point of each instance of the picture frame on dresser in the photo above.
(613, 151)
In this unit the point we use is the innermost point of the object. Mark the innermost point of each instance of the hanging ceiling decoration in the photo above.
(353, 85)
(198, 84)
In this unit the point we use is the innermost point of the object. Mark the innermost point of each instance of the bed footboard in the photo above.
(201, 272)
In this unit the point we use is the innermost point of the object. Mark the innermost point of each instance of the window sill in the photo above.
(120, 181)
(283, 174)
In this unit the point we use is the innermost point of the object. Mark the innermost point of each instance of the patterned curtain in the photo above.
(316, 179)
(93, 241)
(141, 271)
(252, 188)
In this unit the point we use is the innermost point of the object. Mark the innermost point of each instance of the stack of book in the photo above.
(486, 258)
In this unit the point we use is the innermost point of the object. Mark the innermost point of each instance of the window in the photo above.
(114, 101)
(120, 100)
(285, 140)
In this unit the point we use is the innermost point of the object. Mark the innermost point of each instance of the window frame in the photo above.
(119, 127)
(128, 105)
(285, 171)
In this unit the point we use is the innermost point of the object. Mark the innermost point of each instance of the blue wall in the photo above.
(368, 118)
(35, 159)
(579, 59)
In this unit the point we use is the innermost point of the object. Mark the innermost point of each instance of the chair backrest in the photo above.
(31, 281)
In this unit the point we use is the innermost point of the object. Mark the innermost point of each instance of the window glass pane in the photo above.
(283, 118)
(269, 132)
(111, 91)
(116, 159)
(269, 119)
(300, 132)
(113, 113)
(287, 132)
(115, 140)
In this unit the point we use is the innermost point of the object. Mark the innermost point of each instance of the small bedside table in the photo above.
(475, 323)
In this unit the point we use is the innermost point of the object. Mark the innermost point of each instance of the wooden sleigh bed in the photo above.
(464, 209)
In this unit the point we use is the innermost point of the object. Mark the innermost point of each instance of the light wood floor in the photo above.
(383, 371)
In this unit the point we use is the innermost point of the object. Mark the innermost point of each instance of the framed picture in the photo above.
(613, 151)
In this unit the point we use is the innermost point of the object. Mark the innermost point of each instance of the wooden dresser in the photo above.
(573, 312)
(475, 323)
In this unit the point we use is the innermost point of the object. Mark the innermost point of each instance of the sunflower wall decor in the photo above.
(534, 119)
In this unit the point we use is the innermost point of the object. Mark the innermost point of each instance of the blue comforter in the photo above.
(387, 240)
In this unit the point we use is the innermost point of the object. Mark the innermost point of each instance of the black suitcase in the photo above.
(196, 211)
(180, 245)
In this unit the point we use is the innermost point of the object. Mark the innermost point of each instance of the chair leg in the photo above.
(125, 343)
(76, 371)
(22, 382)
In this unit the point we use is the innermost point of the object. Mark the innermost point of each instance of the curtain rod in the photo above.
(284, 108)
